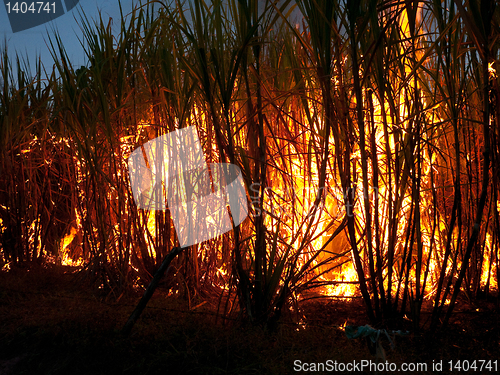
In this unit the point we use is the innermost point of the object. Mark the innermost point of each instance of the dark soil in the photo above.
(52, 324)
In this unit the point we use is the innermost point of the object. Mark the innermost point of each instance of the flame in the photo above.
(346, 285)
(287, 204)
(65, 256)
(492, 70)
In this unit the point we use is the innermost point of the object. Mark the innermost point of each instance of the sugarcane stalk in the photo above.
(127, 328)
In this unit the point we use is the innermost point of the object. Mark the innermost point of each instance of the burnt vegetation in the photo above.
(367, 134)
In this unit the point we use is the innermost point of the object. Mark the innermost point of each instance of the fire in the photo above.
(345, 283)
(404, 137)
(65, 257)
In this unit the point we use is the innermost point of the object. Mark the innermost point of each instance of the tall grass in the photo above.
(369, 130)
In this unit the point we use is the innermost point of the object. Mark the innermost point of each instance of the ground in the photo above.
(52, 324)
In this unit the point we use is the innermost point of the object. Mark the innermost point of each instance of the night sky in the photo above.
(33, 42)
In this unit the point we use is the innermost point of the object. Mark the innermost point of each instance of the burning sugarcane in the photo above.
(175, 162)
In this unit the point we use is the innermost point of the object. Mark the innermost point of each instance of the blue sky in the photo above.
(33, 42)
